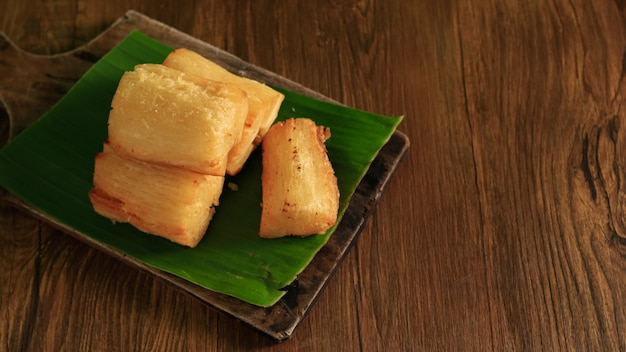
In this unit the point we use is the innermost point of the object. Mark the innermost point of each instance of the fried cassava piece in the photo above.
(300, 195)
(165, 116)
(167, 201)
(263, 101)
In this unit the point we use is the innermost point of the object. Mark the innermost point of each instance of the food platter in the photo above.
(291, 298)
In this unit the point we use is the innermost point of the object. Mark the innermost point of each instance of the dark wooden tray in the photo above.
(29, 92)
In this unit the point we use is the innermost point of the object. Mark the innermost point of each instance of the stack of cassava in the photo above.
(175, 131)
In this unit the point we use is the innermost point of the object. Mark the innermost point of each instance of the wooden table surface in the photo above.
(504, 228)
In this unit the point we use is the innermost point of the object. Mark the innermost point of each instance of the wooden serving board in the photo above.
(29, 92)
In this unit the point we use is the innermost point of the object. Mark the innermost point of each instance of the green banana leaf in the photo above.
(50, 167)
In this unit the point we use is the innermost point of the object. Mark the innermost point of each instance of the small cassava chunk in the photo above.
(166, 201)
(263, 101)
(164, 116)
(300, 192)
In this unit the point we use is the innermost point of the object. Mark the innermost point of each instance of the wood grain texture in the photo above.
(504, 229)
